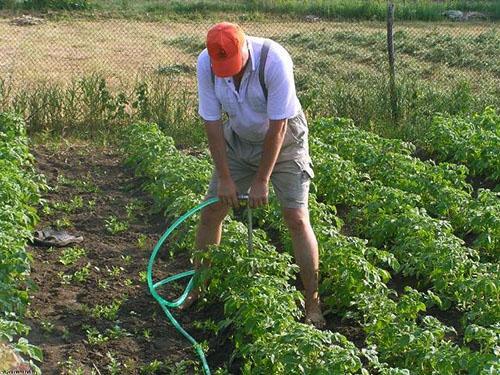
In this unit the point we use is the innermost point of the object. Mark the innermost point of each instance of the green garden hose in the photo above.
(165, 305)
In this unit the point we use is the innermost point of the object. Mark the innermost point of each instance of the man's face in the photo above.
(244, 56)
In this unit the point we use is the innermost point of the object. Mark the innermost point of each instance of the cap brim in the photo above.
(227, 67)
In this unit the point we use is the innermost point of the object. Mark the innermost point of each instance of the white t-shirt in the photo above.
(248, 112)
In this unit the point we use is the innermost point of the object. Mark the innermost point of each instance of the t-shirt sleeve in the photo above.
(281, 99)
(209, 107)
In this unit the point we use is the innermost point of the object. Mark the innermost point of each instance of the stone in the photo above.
(455, 15)
(311, 18)
(26, 20)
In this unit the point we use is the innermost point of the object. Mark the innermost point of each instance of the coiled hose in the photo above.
(166, 305)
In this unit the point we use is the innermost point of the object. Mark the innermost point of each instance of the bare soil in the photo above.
(59, 312)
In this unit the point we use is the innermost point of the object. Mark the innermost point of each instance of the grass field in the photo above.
(333, 9)
(62, 50)
(341, 69)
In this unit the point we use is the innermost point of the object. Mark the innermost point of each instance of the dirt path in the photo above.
(94, 314)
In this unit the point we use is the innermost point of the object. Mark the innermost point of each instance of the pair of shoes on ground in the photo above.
(52, 237)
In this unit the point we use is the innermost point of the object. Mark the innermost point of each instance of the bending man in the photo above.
(264, 139)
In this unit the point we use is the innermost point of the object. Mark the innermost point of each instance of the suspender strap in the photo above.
(262, 65)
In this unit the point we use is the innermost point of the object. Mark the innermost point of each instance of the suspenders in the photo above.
(262, 64)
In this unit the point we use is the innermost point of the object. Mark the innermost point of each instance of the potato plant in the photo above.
(424, 247)
(20, 189)
(262, 305)
(353, 284)
(443, 189)
(474, 142)
(255, 288)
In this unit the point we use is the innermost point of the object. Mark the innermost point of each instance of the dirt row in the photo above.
(93, 196)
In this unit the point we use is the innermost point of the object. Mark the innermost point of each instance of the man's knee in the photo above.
(296, 219)
(213, 214)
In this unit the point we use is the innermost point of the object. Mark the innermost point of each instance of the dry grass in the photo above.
(120, 49)
(59, 51)
(340, 70)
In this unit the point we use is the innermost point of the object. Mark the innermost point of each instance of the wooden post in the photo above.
(392, 68)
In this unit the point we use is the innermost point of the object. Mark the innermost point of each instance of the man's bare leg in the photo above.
(305, 248)
(208, 232)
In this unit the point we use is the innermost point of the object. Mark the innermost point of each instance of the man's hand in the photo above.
(226, 191)
(259, 191)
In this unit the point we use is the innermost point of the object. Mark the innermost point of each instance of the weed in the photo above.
(82, 274)
(206, 325)
(47, 326)
(134, 209)
(65, 278)
(83, 185)
(65, 334)
(68, 207)
(147, 334)
(115, 271)
(53, 4)
(46, 210)
(117, 332)
(70, 367)
(33, 314)
(51, 249)
(126, 259)
(152, 367)
(159, 98)
(142, 241)
(175, 69)
(94, 337)
(114, 366)
(109, 312)
(91, 204)
(249, 10)
(115, 226)
(71, 255)
(102, 284)
(189, 43)
(63, 223)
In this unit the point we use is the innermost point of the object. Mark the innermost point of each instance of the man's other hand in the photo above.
(226, 191)
(259, 192)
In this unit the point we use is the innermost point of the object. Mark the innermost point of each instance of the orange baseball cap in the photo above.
(224, 42)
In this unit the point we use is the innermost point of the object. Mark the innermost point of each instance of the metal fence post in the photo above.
(392, 68)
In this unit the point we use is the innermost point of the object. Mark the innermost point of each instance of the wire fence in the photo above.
(337, 64)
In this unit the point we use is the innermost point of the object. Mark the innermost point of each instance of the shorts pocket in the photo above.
(306, 169)
(296, 131)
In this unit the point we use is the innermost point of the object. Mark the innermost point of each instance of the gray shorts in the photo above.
(291, 174)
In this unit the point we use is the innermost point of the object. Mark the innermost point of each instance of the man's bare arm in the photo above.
(217, 145)
(271, 149)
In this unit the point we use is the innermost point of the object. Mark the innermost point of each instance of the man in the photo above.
(265, 138)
